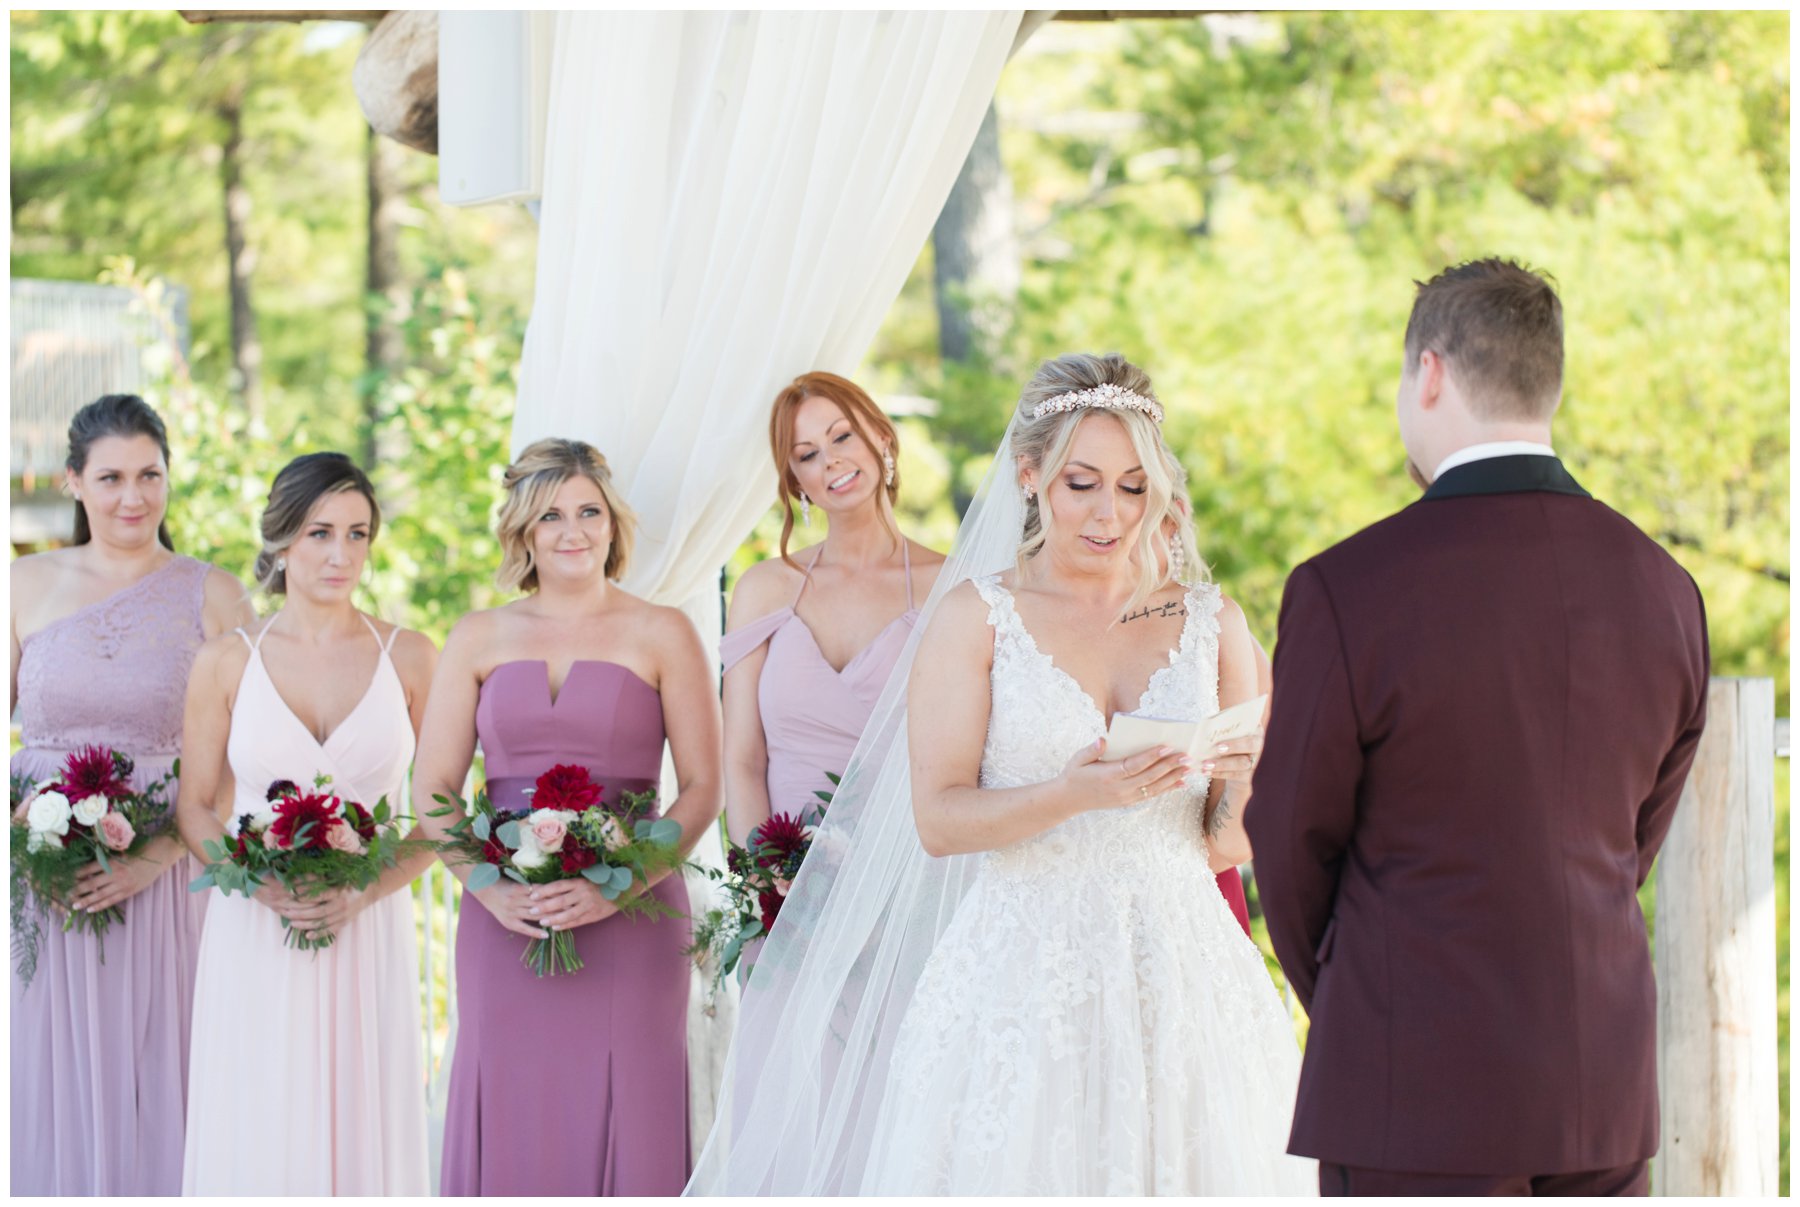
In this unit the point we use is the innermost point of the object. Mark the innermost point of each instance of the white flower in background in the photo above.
(262, 817)
(50, 814)
(90, 809)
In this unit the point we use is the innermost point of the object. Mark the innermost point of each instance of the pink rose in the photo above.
(115, 830)
(549, 830)
(343, 837)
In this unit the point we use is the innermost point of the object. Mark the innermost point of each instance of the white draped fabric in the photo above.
(730, 199)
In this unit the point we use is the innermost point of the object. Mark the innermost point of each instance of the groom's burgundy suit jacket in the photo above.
(1484, 710)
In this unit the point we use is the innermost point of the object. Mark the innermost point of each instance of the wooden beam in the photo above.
(1715, 959)
(1133, 14)
(207, 16)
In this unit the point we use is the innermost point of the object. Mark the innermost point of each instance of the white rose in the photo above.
(90, 809)
(49, 814)
(530, 856)
(39, 839)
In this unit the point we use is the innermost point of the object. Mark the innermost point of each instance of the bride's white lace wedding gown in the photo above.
(1093, 1021)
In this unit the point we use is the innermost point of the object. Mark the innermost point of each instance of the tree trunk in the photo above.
(382, 351)
(246, 349)
(976, 251)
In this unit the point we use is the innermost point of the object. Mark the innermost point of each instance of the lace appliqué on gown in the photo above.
(1094, 1021)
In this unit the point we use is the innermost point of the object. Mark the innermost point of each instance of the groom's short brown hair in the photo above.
(1498, 325)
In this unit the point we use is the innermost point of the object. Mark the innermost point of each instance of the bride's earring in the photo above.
(1177, 559)
(887, 459)
(805, 510)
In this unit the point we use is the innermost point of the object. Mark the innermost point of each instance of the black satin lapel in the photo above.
(1505, 475)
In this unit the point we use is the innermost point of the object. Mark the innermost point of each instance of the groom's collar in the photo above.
(1504, 475)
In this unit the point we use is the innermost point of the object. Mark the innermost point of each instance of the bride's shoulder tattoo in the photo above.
(1175, 607)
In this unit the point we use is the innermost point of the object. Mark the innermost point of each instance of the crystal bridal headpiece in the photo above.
(1109, 396)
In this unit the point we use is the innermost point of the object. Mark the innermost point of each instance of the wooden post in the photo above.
(1716, 1059)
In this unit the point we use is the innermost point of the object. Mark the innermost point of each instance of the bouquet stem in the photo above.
(547, 957)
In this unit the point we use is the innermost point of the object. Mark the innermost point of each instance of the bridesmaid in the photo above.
(307, 1076)
(808, 649)
(103, 634)
(574, 1084)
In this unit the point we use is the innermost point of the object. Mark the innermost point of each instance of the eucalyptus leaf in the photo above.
(513, 874)
(597, 874)
(665, 831)
(508, 833)
(484, 875)
(201, 882)
(482, 826)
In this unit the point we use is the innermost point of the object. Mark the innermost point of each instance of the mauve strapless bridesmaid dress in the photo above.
(574, 1084)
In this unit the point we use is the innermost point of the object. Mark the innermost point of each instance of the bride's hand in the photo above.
(1234, 761)
(1094, 784)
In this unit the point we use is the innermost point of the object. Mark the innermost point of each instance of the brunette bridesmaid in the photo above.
(103, 635)
(307, 1076)
(574, 1084)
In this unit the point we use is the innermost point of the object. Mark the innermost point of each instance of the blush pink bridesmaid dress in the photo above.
(308, 1073)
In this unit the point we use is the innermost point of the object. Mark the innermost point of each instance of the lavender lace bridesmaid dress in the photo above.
(100, 1050)
(574, 1084)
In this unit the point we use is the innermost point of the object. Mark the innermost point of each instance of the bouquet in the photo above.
(310, 843)
(87, 815)
(565, 832)
(755, 882)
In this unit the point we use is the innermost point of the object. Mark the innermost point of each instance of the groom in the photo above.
(1484, 708)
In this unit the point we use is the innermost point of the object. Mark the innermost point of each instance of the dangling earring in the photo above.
(805, 510)
(1030, 491)
(1177, 559)
(887, 459)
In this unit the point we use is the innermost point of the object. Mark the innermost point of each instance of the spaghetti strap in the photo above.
(240, 632)
(906, 552)
(256, 646)
(807, 581)
(387, 647)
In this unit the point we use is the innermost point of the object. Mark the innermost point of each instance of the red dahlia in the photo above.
(783, 834)
(566, 787)
(770, 901)
(94, 769)
(293, 812)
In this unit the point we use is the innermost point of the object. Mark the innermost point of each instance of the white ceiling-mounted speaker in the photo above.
(493, 100)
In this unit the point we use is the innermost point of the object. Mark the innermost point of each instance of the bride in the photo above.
(1006, 967)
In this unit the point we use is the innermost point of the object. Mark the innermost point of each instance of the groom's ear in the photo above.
(1431, 378)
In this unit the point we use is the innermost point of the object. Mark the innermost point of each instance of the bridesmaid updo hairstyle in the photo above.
(867, 420)
(530, 482)
(113, 415)
(1044, 444)
(296, 490)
